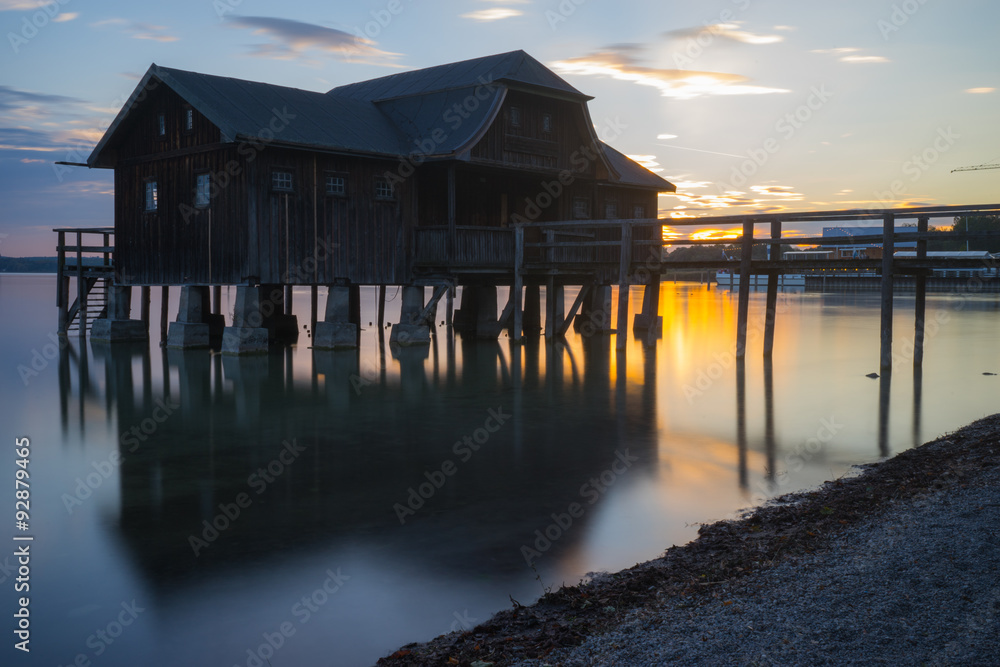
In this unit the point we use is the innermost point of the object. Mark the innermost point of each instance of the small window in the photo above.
(611, 210)
(547, 123)
(188, 119)
(336, 186)
(282, 181)
(202, 191)
(152, 196)
(383, 189)
(638, 211)
(581, 208)
(515, 117)
(161, 125)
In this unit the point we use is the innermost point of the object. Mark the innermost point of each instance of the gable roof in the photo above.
(515, 67)
(390, 116)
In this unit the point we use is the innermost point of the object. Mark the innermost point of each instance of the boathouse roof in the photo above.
(390, 116)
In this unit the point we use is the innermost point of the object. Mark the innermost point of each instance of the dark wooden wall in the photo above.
(251, 232)
(356, 237)
(528, 145)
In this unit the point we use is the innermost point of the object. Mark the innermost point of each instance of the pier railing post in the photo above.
(743, 308)
(772, 291)
(888, 248)
(81, 287)
(920, 306)
(62, 285)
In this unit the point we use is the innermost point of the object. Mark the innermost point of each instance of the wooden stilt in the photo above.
(81, 287)
(518, 286)
(62, 286)
(624, 265)
(313, 307)
(381, 306)
(743, 307)
(888, 247)
(164, 312)
(449, 313)
(772, 292)
(144, 307)
(920, 306)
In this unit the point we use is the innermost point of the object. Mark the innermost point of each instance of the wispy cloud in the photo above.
(730, 31)
(618, 62)
(850, 54)
(647, 161)
(19, 5)
(980, 91)
(13, 98)
(493, 14)
(137, 29)
(291, 40)
(66, 16)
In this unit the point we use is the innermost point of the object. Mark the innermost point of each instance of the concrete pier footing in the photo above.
(117, 326)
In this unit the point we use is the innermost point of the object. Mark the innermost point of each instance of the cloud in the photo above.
(293, 39)
(647, 161)
(664, 137)
(846, 57)
(23, 139)
(980, 91)
(618, 62)
(66, 16)
(730, 31)
(138, 30)
(864, 59)
(493, 14)
(12, 98)
(20, 5)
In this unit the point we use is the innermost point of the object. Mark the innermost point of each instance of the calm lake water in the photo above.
(315, 466)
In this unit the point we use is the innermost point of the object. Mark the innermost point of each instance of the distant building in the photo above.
(863, 250)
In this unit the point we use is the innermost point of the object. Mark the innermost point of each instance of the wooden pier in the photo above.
(592, 254)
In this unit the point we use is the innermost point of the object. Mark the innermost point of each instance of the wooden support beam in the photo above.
(772, 293)
(518, 286)
(449, 316)
(81, 288)
(288, 299)
(144, 306)
(164, 312)
(888, 248)
(381, 306)
(920, 305)
(580, 299)
(452, 213)
(623, 285)
(743, 307)
(313, 307)
(426, 316)
(62, 285)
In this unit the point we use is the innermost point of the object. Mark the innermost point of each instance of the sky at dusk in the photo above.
(746, 105)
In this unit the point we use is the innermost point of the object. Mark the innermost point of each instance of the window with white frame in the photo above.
(515, 117)
(202, 190)
(611, 210)
(152, 196)
(383, 189)
(638, 211)
(188, 119)
(581, 208)
(547, 123)
(336, 186)
(282, 181)
(161, 125)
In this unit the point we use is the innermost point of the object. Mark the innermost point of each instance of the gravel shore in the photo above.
(898, 565)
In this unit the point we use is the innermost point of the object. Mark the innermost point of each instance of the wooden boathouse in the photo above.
(436, 177)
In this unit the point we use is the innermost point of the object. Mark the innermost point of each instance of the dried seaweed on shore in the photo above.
(790, 526)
